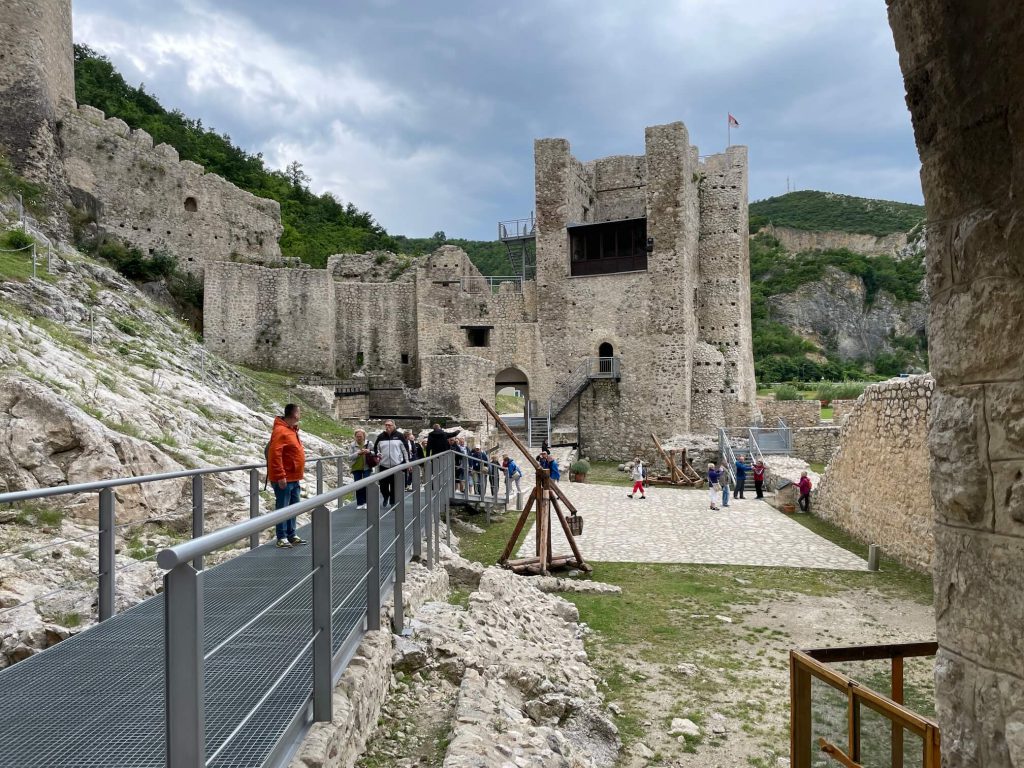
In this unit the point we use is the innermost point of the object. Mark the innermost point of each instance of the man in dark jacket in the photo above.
(390, 446)
(415, 454)
(437, 440)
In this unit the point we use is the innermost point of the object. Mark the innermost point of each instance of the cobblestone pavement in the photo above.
(675, 525)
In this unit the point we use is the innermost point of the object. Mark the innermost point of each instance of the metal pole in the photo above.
(183, 667)
(33, 261)
(319, 477)
(254, 504)
(429, 517)
(323, 682)
(21, 211)
(92, 324)
(444, 501)
(49, 259)
(197, 515)
(107, 584)
(339, 464)
(417, 511)
(398, 612)
(373, 556)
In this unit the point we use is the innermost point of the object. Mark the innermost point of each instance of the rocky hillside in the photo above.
(97, 380)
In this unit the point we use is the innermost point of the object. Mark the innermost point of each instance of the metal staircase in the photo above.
(591, 369)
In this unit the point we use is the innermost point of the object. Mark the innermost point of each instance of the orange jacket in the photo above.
(287, 460)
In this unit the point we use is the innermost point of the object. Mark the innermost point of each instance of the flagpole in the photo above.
(728, 128)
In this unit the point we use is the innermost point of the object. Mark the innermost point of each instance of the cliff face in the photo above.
(796, 240)
(832, 314)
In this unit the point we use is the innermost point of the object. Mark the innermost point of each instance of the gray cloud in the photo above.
(424, 113)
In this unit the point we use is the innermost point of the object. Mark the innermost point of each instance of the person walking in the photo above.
(477, 468)
(360, 464)
(723, 479)
(415, 454)
(439, 441)
(759, 478)
(286, 466)
(713, 489)
(741, 476)
(637, 476)
(805, 492)
(390, 446)
(513, 474)
(461, 460)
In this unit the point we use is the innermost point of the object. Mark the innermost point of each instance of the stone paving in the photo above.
(675, 525)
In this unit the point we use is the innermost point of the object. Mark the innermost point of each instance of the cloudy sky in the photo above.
(424, 112)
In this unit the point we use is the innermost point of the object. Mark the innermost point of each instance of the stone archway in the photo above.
(963, 66)
(512, 379)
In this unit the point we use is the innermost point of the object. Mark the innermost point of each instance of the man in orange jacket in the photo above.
(286, 466)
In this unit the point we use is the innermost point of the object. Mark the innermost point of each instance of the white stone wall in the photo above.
(877, 485)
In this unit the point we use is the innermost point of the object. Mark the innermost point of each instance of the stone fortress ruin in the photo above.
(641, 268)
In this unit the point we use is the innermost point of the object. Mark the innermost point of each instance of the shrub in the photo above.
(580, 467)
(15, 240)
(787, 392)
(847, 390)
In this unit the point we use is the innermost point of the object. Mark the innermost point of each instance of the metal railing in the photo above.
(478, 473)
(490, 283)
(517, 229)
(727, 454)
(185, 655)
(107, 515)
(806, 666)
(777, 440)
(591, 368)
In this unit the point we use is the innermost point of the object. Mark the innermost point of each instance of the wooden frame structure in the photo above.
(545, 497)
(683, 474)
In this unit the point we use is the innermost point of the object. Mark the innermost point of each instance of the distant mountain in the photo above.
(828, 211)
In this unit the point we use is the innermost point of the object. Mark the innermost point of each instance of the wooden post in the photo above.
(799, 715)
(520, 524)
(897, 696)
(543, 530)
(572, 539)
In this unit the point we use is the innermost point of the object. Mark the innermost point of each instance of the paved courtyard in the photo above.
(675, 525)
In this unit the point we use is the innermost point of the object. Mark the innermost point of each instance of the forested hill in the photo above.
(827, 211)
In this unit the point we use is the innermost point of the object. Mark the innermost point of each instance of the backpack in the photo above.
(266, 457)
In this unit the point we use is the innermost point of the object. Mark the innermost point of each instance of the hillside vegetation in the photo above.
(824, 211)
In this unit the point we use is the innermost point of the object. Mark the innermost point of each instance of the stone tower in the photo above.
(37, 87)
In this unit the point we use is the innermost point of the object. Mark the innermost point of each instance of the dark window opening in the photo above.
(359, 359)
(614, 246)
(191, 205)
(405, 358)
(478, 337)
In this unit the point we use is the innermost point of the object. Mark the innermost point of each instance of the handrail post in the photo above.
(339, 464)
(319, 477)
(373, 556)
(107, 568)
(254, 504)
(183, 667)
(197, 515)
(323, 682)
(446, 502)
(417, 511)
(398, 612)
(428, 522)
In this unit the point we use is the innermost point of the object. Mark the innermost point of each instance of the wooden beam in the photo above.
(520, 524)
(570, 537)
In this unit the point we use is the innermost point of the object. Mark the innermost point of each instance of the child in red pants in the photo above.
(638, 479)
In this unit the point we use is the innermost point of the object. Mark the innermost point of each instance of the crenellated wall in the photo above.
(148, 197)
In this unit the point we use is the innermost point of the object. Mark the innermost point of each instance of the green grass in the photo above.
(827, 413)
(509, 404)
(70, 619)
(33, 514)
(275, 390)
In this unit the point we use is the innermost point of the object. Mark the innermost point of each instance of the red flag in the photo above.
(733, 122)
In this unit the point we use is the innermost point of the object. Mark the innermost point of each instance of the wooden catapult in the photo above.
(682, 474)
(545, 497)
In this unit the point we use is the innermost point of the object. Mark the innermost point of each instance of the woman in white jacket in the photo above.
(638, 478)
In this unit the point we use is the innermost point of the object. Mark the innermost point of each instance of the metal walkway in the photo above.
(97, 699)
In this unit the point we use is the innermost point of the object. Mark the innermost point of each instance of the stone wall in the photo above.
(876, 486)
(796, 413)
(962, 67)
(375, 330)
(797, 240)
(149, 198)
(36, 89)
(841, 409)
(280, 319)
(816, 445)
(352, 407)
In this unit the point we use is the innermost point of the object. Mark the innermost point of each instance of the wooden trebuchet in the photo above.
(545, 496)
(682, 474)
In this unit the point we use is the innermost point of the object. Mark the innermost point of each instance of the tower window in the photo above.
(191, 205)
(478, 336)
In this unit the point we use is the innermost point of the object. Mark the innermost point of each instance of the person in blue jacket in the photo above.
(713, 489)
(550, 463)
(742, 467)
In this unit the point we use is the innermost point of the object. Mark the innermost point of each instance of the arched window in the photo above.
(191, 205)
(605, 352)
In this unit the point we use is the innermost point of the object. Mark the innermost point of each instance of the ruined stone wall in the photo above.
(280, 319)
(453, 385)
(376, 323)
(876, 486)
(962, 66)
(841, 409)
(149, 198)
(816, 445)
(37, 88)
(797, 240)
(618, 184)
(796, 413)
(723, 291)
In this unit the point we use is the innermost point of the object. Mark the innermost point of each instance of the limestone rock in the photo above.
(682, 726)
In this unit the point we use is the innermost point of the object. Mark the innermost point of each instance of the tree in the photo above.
(440, 236)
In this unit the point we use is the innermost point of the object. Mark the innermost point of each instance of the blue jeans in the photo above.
(725, 494)
(359, 474)
(285, 497)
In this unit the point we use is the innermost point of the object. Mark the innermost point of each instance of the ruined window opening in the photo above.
(405, 358)
(191, 205)
(614, 246)
(359, 360)
(478, 336)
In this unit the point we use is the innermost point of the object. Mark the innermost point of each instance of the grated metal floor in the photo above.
(97, 699)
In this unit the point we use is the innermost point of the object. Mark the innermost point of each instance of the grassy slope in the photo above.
(823, 211)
